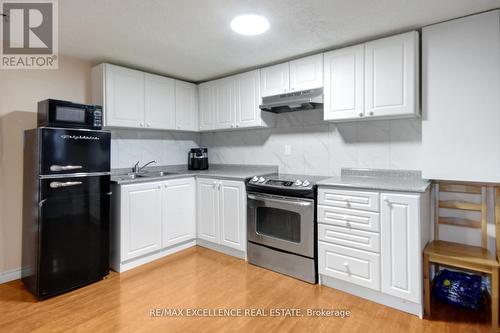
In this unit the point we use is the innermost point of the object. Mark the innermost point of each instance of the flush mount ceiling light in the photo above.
(250, 25)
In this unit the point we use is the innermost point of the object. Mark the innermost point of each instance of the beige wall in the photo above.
(20, 90)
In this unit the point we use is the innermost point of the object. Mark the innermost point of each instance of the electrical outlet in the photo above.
(288, 149)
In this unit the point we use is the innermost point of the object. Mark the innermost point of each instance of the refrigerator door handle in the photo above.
(64, 167)
(63, 184)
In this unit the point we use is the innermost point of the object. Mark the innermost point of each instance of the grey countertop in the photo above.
(219, 171)
(379, 179)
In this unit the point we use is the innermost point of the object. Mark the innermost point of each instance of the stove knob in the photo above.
(262, 179)
(255, 178)
(306, 183)
(298, 182)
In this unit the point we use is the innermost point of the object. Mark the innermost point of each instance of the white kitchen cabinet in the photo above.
(208, 105)
(300, 74)
(391, 76)
(373, 249)
(306, 73)
(224, 116)
(233, 102)
(178, 213)
(275, 79)
(136, 99)
(344, 83)
(121, 92)
(378, 79)
(222, 212)
(141, 219)
(207, 198)
(401, 248)
(159, 100)
(186, 106)
(461, 85)
(232, 214)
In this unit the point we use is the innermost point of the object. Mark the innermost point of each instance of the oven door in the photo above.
(283, 223)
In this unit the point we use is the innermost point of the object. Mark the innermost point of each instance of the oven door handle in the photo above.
(282, 201)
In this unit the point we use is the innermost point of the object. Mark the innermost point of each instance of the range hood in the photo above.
(295, 101)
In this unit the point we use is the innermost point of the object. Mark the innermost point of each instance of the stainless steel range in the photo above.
(281, 224)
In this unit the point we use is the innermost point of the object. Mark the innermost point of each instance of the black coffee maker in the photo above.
(198, 159)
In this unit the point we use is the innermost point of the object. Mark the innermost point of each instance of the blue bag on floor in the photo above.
(458, 288)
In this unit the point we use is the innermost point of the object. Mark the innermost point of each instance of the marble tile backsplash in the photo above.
(166, 147)
(317, 147)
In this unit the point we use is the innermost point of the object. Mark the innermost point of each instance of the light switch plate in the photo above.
(288, 149)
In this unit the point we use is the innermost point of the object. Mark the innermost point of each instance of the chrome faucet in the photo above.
(137, 169)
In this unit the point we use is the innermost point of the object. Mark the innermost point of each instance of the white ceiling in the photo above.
(191, 39)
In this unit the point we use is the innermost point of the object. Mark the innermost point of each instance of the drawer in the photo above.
(365, 200)
(359, 239)
(351, 265)
(349, 218)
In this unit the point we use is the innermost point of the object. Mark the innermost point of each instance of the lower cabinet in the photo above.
(386, 258)
(222, 212)
(141, 219)
(178, 214)
(150, 217)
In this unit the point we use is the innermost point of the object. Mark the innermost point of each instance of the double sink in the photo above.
(146, 174)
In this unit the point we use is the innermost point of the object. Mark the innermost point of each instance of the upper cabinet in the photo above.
(233, 102)
(372, 80)
(306, 73)
(391, 76)
(159, 101)
(461, 104)
(275, 79)
(344, 83)
(300, 74)
(121, 92)
(136, 99)
(186, 106)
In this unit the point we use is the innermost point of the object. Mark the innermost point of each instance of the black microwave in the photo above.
(55, 113)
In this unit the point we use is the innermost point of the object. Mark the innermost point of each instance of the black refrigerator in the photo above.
(66, 200)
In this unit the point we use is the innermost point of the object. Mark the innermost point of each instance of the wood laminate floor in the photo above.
(201, 278)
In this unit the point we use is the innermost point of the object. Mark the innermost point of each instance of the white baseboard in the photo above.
(10, 275)
(373, 295)
(132, 263)
(221, 248)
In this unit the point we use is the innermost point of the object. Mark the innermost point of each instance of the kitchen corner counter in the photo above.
(379, 179)
(219, 171)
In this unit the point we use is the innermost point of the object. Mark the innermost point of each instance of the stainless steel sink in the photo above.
(147, 174)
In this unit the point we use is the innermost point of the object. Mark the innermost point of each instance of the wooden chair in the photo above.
(467, 257)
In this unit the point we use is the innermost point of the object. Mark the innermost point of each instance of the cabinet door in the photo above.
(248, 113)
(400, 246)
(124, 97)
(159, 99)
(186, 106)
(232, 214)
(178, 211)
(306, 73)
(225, 103)
(140, 219)
(344, 81)
(275, 79)
(208, 210)
(207, 105)
(391, 76)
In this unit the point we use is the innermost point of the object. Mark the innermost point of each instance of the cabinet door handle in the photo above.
(141, 124)
(148, 125)
(371, 113)
(361, 114)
